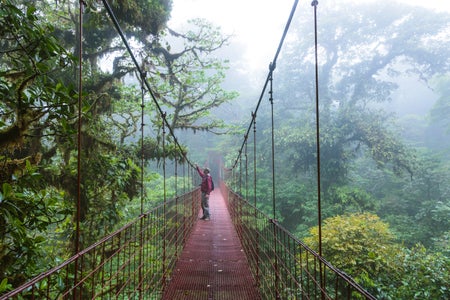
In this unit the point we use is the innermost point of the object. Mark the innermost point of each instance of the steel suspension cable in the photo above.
(142, 142)
(274, 61)
(240, 174)
(152, 94)
(246, 167)
(275, 242)
(234, 175)
(319, 197)
(176, 176)
(255, 215)
(176, 204)
(254, 158)
(141, 233)
(319, 204)
(184, 179)
(272, 67)
(163, 116)
(80, 114)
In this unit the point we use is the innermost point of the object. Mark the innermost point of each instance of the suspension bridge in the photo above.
(169, 253)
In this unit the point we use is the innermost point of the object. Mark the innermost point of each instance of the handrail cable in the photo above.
(152, 94)
(274, 61)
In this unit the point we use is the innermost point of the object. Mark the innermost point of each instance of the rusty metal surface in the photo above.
(212, 264)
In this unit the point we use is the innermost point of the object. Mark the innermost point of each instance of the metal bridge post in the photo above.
(80, 95)
(277, 273)
(165, 201)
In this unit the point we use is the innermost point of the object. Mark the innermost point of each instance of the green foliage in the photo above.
(143, 15)
(440, 113)
(298, 208)
(367, 164)
(155, 189)
(188, 81)
(153, 150)
(417, 207)
(26, 214)
(36, 110)
(360, 244)
(41, 162)
(348, 199)
(33, 90)
(4, 286)
(420, 275)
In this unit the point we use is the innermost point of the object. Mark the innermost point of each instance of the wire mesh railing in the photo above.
(136, 261)
(283, 266)
(132, 263)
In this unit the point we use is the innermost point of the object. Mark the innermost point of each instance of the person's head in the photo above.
(206, 171)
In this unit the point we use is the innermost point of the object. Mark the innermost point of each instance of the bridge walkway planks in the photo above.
(213, 265)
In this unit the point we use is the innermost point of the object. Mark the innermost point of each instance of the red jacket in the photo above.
(206, 186)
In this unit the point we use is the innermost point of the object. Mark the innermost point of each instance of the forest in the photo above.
(384, 90)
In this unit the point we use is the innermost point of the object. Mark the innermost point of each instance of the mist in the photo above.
(377, 66)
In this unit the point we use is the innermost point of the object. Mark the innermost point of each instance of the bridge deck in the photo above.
(212, 264)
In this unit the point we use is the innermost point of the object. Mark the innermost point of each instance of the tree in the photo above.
(421, 275)
(38, 124)
(418, 209)
(36, 105)
(32, 80)
(362, 49)
(359, 244)
(188, 81)
(440, 114)
(363, 246)
(357, 71)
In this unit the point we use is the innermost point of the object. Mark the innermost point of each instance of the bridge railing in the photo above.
(283, 266)
(132, 263)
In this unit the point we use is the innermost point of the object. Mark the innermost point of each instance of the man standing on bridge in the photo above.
(206, 188)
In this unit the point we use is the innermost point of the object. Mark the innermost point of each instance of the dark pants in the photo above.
(205, 205)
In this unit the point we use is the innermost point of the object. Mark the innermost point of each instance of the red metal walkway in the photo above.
(213, 264)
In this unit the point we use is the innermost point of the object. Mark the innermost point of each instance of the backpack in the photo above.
(212, 184)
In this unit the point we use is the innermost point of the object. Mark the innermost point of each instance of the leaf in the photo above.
(7, 190)
(4, 286)
(30, 11)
